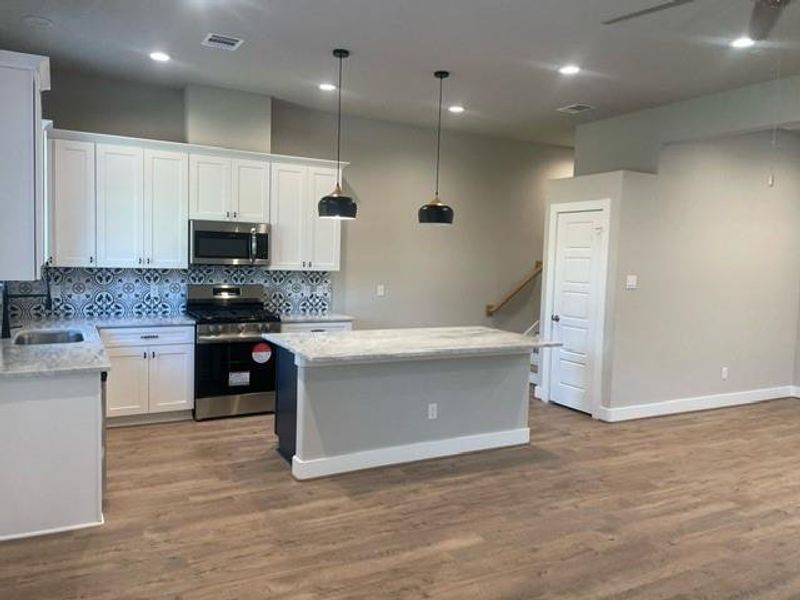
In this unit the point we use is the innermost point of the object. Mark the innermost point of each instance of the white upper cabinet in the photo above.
(324, 234)
(166, 209)
(120, 206)
(225, 189)
(209, 187)
(73, 204)
(300, 239)
(250, 197)
(22, 168)
(288, 220)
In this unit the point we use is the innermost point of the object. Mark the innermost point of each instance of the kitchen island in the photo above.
(353, 400)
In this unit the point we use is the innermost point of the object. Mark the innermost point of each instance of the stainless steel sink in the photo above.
(48, 336)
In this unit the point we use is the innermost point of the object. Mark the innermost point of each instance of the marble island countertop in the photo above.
(388, 345)
(79, 357)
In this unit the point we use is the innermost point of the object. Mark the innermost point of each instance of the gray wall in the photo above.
(114, 106)
(434, 276)
(633, 141)
(228, 118)
(717, 253)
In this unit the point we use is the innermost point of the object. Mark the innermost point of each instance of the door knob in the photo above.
(555, 318)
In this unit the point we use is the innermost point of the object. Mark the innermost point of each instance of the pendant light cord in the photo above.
(339, 128)
(439, 135)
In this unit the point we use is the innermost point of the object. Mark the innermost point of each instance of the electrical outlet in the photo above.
(724, 373)
(433, 411)
(380, 290)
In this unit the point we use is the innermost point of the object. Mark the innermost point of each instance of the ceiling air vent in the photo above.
(575, 109)
(222, 42)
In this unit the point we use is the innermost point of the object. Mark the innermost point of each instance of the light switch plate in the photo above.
(380, 290)
(631, 282)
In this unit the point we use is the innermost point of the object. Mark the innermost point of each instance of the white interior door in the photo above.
(250, 191)
(288, 216)
(120, 206)
(324, 235)
(171, 377)
(577, 287)
(73, 216)
(166, 208)
(209, 187)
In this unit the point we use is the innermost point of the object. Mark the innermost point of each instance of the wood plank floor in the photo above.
(705, 505)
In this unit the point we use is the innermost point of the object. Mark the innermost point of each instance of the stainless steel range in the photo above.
(234, 371)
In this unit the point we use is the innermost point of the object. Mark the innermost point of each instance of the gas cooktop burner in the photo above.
(232, 314)
(227, 303)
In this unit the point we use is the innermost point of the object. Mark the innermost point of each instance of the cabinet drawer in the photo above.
(147, 336)
(324, 326)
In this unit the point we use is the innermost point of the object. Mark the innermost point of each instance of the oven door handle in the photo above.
(228, 338)
(253, 244)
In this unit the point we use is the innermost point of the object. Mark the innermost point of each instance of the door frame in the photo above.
(596, 359)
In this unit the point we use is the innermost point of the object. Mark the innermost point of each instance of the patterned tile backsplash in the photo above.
(88, 293)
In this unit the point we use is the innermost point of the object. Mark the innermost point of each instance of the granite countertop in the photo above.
(326, 318)
(88, 356)
(388, 345)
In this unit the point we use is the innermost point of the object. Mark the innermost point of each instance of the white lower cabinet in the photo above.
(171, 378)
(126, 393)
(149, 372)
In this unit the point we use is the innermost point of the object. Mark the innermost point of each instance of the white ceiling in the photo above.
(502, 53)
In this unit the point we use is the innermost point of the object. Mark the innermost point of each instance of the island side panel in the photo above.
(50, 454)
(285, 403)
(363, 415)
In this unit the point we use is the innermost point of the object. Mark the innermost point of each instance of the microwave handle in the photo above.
(253, 244)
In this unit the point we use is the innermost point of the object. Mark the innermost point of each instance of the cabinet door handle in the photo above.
(227, 214)
(91, 259)
(153, 355)
(149, 336)
(140, 261)
(144, 355)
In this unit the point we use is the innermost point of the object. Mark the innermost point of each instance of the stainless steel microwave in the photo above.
(228, 243)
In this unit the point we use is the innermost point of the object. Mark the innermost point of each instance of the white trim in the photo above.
(105, 138)
(320, 467)
(795, 391)
(546, 330)
(684, 405)
(27, 534)
(149, 419)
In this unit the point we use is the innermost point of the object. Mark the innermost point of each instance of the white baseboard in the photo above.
(796, 391)
(320, 467)
(682, 405)
(149, 419)
(18, 536)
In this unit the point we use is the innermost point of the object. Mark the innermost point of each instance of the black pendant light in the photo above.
(437, 212)
(336, 205)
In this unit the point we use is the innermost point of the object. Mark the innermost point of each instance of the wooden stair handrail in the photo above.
(491, 309)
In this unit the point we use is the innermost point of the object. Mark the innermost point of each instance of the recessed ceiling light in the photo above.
(457, 109)
(570, 70)
(159, 56)
(743, 42)
(327, 87)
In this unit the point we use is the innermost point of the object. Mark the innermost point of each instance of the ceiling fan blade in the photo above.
(765, 16)
(648, 11)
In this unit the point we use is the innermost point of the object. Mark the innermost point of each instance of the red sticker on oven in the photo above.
(261, 353)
